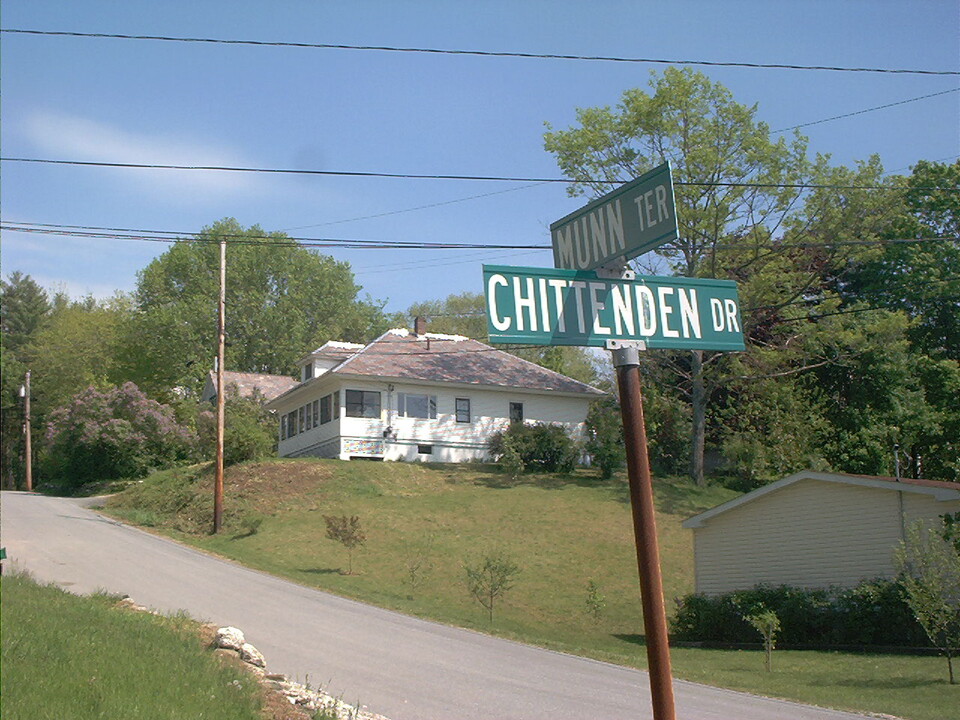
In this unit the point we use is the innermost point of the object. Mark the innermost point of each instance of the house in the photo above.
(812, 530)
(247, 385)
(419, 396)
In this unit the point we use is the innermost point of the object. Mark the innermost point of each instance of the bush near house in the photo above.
(249, 430)
(873, 613)
(541, 447)
(110, 434)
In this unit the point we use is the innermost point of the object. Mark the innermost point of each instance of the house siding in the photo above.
(449, 440)
(809, 534)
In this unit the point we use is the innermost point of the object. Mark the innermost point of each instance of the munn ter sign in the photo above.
(547, 306)
(624, 223)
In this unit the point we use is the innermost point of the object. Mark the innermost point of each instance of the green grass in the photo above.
(563, 531)
(80, 657)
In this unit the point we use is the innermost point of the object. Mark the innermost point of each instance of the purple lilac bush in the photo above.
(114, 433)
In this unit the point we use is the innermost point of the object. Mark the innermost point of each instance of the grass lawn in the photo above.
(74, 657)
(563, 531)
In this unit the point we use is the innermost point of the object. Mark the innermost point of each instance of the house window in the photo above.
(363, 403)
(336, 405)
(303, 419)
(325, 409)
(291, 424)
(283, 427)
(425, 449)
(417, 406)
(316, 413)
(463, 410)
(306, 373)
(516, 412)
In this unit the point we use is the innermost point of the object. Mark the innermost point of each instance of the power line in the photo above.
(425, 176)
(861, 112)
(478, 53)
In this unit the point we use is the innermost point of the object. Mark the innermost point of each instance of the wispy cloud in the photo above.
(71, 137)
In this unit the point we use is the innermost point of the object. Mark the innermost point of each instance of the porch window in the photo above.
(316, 411)
(363, 403)
(283, 427)
(325, 409)
(417, 406)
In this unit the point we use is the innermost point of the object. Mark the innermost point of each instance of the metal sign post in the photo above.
(626, 360)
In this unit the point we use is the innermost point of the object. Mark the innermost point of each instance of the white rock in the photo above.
(230, 638)
(249, 654)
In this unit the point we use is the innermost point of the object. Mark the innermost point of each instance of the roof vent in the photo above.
(420, 325)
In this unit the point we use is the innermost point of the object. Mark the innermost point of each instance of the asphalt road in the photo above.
(395, 665)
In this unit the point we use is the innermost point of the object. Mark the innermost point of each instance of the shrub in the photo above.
(112, 434)
(873, 613)
(346, 530)
(605, 437)
(490, 578)
(541, 447)
(249, 431)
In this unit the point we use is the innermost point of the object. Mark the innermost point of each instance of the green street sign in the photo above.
(624, 223)
(546, 306)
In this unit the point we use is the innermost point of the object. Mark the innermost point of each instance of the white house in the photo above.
(812, 530)
(427, 397)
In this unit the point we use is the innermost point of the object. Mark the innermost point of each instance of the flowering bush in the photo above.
(110, 434)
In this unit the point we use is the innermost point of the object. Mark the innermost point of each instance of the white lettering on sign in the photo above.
(592, 238)
(500, 323)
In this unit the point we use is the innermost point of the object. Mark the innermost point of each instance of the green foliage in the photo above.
(930, 573)
(110, 662)
(540, 447)
(765, 622)
(490, 577)
(117, 433)
(347, 531)
(280, 302)
(24, 306)
(510, 460)
(249, 430)
(596, 600)
(872, 613)
(605, 436)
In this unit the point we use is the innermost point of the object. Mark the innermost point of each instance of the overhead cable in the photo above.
(478, 53)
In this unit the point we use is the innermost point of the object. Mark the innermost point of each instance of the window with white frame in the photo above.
(325, 403)
(362, 403)
(316, 412)
(417, 406)
(283, 427)
(463, 410)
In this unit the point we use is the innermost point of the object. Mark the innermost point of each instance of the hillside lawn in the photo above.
(562, 530)
(122, 663)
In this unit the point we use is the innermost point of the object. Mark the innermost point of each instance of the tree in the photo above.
(111, 434)
(282, 301)
(765, 622)
(733, 183)
(490, 578)
(929, 570)
(346, 530)
(24, 306)
(249, 431)
(605, 437)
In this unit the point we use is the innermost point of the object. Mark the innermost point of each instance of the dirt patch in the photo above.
(272, 486)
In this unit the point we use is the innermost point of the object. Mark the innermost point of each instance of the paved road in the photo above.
(396, 665)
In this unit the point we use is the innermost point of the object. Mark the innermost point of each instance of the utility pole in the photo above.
(221, 391)
(28, 452)
(626, 360)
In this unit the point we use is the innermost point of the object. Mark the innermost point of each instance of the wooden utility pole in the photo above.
(28, 452)
(626, 360)
(221, 391)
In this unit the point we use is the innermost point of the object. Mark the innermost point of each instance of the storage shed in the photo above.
(812, 530)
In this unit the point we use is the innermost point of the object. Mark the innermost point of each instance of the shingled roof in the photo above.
(250, 384)
(433, 357)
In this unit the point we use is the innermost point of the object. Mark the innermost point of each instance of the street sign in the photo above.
(624, 223)
(545, 306)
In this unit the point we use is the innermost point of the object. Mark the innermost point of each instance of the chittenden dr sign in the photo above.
(546, 306)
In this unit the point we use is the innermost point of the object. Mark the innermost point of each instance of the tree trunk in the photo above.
(698, 402)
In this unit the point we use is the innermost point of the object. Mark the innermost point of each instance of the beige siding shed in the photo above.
(812, 530)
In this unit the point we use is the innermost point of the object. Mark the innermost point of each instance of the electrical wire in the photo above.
(426, 176)
(477, 53)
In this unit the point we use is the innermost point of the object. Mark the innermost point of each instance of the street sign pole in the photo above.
(626, 360)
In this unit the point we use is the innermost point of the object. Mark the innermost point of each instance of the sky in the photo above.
(155, 102)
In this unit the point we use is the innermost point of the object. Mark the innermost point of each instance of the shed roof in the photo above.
(249, 384)
(936, 488)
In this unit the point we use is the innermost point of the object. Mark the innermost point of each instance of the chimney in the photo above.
(420, 325)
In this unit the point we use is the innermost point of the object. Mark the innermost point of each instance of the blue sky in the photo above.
(177, 103)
